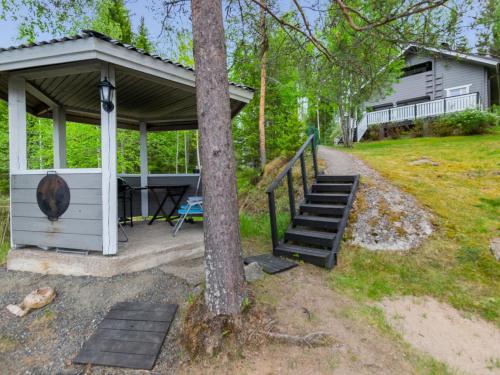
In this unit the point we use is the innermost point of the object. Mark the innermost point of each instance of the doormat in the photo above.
(130, 335)
(271, 264)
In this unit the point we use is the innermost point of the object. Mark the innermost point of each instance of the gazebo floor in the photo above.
(148, 246)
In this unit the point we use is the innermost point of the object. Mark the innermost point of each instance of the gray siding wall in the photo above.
(135, 180)
(457, 73)
(80, 227)
(445, 73)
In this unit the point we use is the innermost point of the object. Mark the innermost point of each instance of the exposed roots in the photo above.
(206, 335)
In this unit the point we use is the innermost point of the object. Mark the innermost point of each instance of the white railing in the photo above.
(420, 110)
(362, 127)
(378, 117)
(403, 113)
(459, 103)
(429, 109)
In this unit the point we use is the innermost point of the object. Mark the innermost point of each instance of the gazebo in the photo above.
(91, 79)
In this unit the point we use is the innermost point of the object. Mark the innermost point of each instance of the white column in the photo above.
(144, 169)
(59, 117)
(17, 124)
(109, 184)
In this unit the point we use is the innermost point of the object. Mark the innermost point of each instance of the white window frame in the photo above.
(466, 87)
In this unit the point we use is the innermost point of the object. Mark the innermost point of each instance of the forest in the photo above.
(307, 84)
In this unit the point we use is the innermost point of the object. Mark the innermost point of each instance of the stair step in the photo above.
(307, 254)
(310, 237)
(329, 187)
(332, 178)
(327, 198)
(316, 221)
(322, 209)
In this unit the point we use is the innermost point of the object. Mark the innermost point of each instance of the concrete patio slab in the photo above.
(148, 246)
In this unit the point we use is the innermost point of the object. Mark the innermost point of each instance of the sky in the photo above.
(142, 8)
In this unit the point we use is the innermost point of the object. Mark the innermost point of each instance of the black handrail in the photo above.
(288, 173)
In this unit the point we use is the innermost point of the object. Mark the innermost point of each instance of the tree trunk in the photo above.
(225, 281)
(263, 78)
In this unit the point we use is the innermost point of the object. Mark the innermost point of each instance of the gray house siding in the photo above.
(445, 73)
(80, 227)
(455, 73)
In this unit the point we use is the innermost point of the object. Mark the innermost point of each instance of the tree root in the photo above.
(311, 339)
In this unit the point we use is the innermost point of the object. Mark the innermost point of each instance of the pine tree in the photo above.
(141, 39)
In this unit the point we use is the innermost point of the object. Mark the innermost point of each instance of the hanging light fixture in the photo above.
(106, 90)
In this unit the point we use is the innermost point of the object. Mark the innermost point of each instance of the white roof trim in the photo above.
(464, 56)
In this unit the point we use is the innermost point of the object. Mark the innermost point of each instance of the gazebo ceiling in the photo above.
(148, 88)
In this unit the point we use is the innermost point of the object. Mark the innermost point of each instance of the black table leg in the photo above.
(160, 208)
(176, 205)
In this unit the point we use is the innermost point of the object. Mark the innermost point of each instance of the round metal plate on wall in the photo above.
(53, 196)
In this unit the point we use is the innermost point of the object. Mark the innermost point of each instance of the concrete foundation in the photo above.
(148, 246)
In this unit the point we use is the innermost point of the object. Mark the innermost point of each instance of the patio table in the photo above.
(174, 192)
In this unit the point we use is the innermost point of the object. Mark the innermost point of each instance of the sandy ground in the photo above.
(303, 303)
(468, 344)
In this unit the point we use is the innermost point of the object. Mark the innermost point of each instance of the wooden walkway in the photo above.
(130, 335)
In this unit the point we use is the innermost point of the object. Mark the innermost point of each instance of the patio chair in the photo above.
(192, 208)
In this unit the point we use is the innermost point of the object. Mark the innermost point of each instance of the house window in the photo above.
(418, 68)
(458, 90)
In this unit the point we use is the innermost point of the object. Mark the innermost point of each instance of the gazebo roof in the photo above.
(65, 72)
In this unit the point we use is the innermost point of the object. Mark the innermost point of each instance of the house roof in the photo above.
(474, 58)
(65, 72)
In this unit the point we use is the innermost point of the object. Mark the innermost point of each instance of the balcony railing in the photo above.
(421, 110)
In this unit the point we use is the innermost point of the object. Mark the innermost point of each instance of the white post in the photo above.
(17, 124)
(144, 169)
(109, 183)
(59, 118)
(17, 133)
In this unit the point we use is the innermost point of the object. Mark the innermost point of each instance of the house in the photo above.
(90, 78)
(434, 82)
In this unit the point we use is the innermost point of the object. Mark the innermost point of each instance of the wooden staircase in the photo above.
(317, 226)
(315, 233)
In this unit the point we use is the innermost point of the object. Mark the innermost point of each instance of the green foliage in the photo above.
(113, 19)
(141, 39)
(468, 122)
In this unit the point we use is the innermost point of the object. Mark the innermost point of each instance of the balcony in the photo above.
(416, 111)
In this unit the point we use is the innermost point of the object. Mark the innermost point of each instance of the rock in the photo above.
(424, 161)
(495, 247)
(253, 272)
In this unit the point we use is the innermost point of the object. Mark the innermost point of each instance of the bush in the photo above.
(468, 122)
(373, 133)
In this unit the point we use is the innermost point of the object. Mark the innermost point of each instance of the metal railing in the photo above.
(420, 110)
(287, 172)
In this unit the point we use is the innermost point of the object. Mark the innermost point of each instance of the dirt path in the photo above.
(385, 218)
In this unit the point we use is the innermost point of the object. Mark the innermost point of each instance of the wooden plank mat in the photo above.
(271, 264)
(130, 335)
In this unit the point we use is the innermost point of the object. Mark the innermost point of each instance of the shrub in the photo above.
(468, 122)
(373, 133)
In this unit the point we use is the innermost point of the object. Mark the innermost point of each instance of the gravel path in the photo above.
(385, 218)
(45, 341)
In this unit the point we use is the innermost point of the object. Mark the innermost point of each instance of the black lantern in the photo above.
(106, 89)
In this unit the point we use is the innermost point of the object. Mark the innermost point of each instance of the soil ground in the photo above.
(45, 341)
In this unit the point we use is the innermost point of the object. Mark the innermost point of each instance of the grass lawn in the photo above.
(463, 192)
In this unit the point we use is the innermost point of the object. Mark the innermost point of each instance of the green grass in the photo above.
(463, 192)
